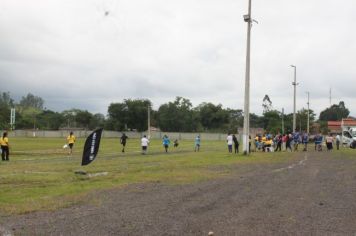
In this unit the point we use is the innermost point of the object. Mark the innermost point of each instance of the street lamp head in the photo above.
(247, 18)
(293, 66)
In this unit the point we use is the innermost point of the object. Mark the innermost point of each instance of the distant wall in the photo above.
(116, 134)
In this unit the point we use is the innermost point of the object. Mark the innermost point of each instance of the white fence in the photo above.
(115, 134)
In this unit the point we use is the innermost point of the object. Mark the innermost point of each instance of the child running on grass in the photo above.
(144, 144)
(166, 142)
(71, 141)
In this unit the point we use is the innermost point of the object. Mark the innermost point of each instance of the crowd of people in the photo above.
(264, 143)
(293, 142)
(290, 142)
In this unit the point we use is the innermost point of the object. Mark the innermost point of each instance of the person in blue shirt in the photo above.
(197, 144)
(296, 140)
(305, 140)
(318, 141)
(166, 142)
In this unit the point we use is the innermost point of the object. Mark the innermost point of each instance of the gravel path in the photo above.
(316, 195)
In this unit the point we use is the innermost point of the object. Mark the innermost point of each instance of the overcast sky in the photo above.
(87, 54)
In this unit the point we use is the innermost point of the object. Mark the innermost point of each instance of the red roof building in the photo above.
(335, 126)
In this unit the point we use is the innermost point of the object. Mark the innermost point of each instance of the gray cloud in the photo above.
(72, 55)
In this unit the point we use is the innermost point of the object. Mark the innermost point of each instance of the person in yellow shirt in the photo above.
(4, 142)
(71, 141)
(268, 144)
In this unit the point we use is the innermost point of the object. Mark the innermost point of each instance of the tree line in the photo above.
(174, 116)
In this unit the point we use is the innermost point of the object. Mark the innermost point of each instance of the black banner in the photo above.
(91, 147)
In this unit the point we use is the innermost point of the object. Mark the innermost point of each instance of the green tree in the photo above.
(213, 117)
(272, 121)
(131, 114)
(50, 120)
(6, 103)
(27, 117)
(335, 112)
(69, 118)
(302, 119)
(117, 117)
(137, 113)
(97, 121)
(178, 116)
(236, 119)
(255, 121)
(83, 119)
(32, 101)
(267, 104)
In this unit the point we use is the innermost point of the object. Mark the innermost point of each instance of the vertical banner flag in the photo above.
(91, 147)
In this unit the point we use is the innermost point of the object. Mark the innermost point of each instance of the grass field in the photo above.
(40, 174)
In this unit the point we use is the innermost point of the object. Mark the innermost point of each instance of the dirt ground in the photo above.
(315, 195)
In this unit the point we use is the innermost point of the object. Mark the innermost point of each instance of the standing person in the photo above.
(256, 143)
(305, 140)
(4, 142)
(71, 141)
(268, 144)
(338, 139)
(123, 139)
(166, 142)
(249, 143)
(144, 144)
(296, 140)
(279, 142)
(197, 144)
(318, 140)
(329, 142)
(175, 143)
(284, 140)
(288, 142)
(229, 142)
(316, 137)
(236, 143)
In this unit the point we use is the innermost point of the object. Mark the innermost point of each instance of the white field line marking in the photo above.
(300, 163)
(5, 232)
(98, 174)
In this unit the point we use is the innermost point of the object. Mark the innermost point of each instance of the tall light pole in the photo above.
(12, 118)
(308, 113)
(148, 122)
(282, 120)
(295, 100)
(246, 129)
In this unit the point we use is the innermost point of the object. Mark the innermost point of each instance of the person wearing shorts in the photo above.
(123, 139)
(166, 142)
(144, 144)
(71, 141)
(229, 140)
(197, 144)
(4, 142)
(176, 143)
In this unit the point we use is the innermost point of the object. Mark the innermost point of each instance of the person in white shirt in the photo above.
(338, 139)
(144, 144)
(329, 142)
(229, 140)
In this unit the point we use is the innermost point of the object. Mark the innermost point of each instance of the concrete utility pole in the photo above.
(12, 118)
(295, 100)
(308, 113)
(246, 129)
(282, 120)
(148, 122)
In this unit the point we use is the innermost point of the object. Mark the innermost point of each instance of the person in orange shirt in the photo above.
(4, 142)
